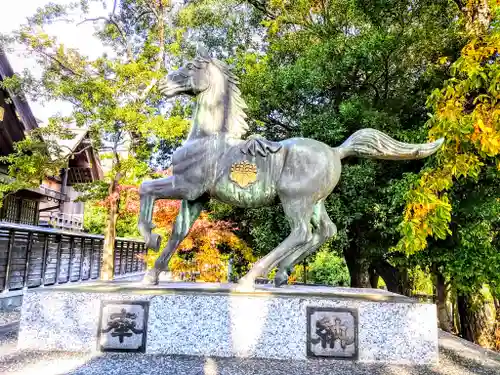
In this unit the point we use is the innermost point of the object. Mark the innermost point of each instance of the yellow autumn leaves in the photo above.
(466, 113)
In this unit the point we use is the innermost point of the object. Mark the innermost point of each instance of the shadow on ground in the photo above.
(456, 358)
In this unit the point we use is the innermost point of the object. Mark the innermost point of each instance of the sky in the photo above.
(73, 36)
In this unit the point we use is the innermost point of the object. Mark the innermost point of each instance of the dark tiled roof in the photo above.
(19, 101)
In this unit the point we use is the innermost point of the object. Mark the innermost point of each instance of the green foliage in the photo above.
(325, 70)
(94, 220)
(421, 281)
(307, 77)
(318, 81)
(263, 229)
(126, 226)
(96, 216)
(37, 156)
(451, 212)
(466, 113)
(469, 256)
(312, 69)
(327, 268)
(114, 96)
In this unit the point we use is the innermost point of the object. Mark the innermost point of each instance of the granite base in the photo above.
(215, 320)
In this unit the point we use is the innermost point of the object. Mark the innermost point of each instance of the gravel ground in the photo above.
(11, 316)
(457, 357)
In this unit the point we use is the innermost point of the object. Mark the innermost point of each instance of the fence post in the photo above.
(135, 261)
(126, 257)
(132, 258)
(144, 260)
(91, 265)
(82, 258)
(99, 263)
(58, 257)
(71, 253)
(28, 256)
(120, 259)
(44, 259)
(12, 238)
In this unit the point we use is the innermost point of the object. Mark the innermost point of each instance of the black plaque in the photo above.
(332, 333)
(123, 326)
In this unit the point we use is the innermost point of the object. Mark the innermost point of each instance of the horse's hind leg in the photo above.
(298, 212)
(323, 229)
(188, 213)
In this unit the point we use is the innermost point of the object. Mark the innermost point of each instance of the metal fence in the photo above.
(32, 256)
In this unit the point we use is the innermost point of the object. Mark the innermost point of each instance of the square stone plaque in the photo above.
(123, 326)
(332, 333)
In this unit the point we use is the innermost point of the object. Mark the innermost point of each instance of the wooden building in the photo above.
(53, 202)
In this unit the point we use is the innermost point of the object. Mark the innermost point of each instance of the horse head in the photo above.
(191, 79)
(195, 76)
(218, 94)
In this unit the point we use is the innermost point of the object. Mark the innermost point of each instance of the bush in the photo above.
(326, 268)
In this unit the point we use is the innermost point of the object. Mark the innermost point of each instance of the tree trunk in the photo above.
(477, 321)
(444, 317)
(108, 258)
(395, 279)
(374, 277)
(497, 324)
(455, 314)
(465, 325)
(358, 268)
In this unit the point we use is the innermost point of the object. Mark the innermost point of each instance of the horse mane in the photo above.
(236, 125)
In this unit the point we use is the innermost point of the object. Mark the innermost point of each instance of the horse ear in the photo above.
(202, 51)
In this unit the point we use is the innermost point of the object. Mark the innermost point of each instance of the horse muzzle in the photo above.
(172, 86)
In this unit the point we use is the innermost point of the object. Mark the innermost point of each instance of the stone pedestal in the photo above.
(294, 322)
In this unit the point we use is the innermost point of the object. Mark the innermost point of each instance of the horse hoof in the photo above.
(151, 277)
(281, 278)
(246, 283)
(154, 242)
(145, 228)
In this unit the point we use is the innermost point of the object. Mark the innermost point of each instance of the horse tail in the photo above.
(371, 143)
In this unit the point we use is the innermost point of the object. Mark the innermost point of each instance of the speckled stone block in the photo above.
(332, 332)
(223, 321)
(123, 326)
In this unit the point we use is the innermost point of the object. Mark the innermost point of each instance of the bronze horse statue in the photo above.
(214, 162)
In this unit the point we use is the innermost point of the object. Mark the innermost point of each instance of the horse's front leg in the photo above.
(149, 192)
(188, 213)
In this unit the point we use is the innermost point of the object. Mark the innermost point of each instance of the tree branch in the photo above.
(92, 20)
(82, 150)
(141, 15)
(152, 9)
(161, 52)
(460, 4)
(326, 13)
(260, 5)
(125, 41)
(60, 63)
(73, 153)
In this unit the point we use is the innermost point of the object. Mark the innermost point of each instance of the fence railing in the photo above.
(33, 256)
